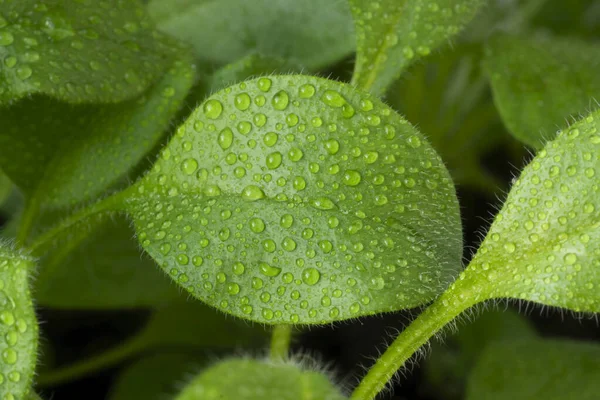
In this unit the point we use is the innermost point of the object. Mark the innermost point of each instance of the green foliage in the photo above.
(536, 369)
(313, 33)
(540, 83)
(149, 379)
(392, 34)
(5, 187)
(102, 271)
(256, 380)
(287, 200)
(18, 325)
(60, 160)
(544, 245)
(92, 51)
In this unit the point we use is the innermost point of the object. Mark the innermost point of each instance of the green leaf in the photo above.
(257, 380)
(155, 377)
(191, 323)
(537, 369)
(313, 33)
(539, 84)
(450, 362)
(101, 271)
(253, 65)
(18, 325)
(295, 199)
(392, 34)
(544, 245)
(6, 187)
(66, 154)
(85, 52)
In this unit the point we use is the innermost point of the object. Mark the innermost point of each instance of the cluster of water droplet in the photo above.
(18, 340)
(94, 51)
(297, 199)
(544, 245)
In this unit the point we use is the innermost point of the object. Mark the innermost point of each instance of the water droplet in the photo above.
(322, 203)
(213, 109)
(570, 258)
(225, 138)
(189, 166)
(9, 356)
(252, 193)
(270, 139)
(274, 160)
(242, 101)
(233, 288)
(264, 84)
(286, 221)
(311, 276)
(6, 38)
(351, 178)
(24, 72)
(289, 244)
(332, 146)
(510, 247)
(280, 100)
(268, 270)
(299, 183)
(333, 99)
(306, 91)
(257, 225)
(295, 154)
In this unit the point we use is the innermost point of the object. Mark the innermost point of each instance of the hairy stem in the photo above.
(46, 240)
(92, 364)
(448, 306)
(28, 218)
(280, 341)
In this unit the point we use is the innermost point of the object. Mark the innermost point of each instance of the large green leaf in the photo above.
(539, 84)
(61, 154)
(102, 270)
(313, 33)
(6, 187)
(295, 199)
(391, 34)
(544, 245)
(258, 380)
(537, 369)
(79, 50)
(18, 325)
(156, 376)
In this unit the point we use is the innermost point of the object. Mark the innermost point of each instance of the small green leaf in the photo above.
(66, 154)
(539, 84)
(295, 199)
(544, 245)
(313, 33)
(18, 325)
(391, 34)
(537, 369)
(251, 66)
(258, 380)
(103, 270)
(155, 377)
(91, 52)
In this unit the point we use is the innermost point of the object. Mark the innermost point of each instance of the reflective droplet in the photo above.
(268, 270)
(252, 193)
(225, 138)
(280, 100)
(311, 276)
(242, 101)
(351, 177)
(333, 99)
(213, 109)
(274, 160)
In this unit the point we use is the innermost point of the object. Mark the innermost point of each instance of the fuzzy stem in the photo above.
(46, 240)
(280, 341)
(446, 308)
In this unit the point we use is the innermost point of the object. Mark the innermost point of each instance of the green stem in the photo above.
(28, 217)
(95, 363)
(280, 341)
(448, 306)
(46, 240)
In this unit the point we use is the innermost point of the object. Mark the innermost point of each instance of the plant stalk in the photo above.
(280, 341)
(447, 307)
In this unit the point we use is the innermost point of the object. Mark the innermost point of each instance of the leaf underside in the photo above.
(294, 199)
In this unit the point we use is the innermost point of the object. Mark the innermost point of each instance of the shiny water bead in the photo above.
(304, 204)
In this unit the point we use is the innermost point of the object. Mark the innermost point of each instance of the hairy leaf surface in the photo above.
(69, 153)
(257, 380)
(544, 245)
(537, 369)
(391, 34)
(18, 325)
(313, 33)
(294, 199)
(88, 51)
(539, 84)
(103, 270)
